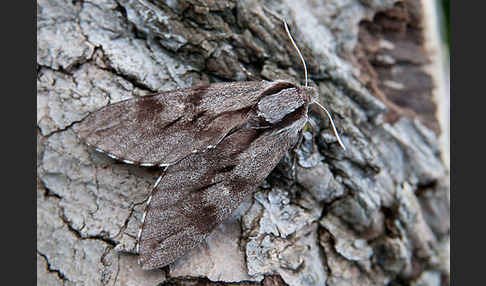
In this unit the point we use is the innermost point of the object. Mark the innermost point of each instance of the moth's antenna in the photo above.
(332, 124)
(298, 51)
(306, 76)
(292, 41)
(306, 80)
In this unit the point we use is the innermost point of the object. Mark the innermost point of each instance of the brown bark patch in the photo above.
(392, 58)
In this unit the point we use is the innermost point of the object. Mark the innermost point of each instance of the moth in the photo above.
(216, 143)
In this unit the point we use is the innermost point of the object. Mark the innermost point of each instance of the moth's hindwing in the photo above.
(201, 190)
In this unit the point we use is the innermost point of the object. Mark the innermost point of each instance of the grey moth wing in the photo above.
(201, 190)
(163, 128)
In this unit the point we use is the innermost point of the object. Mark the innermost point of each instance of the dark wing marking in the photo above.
(161, 129)
(200, 191)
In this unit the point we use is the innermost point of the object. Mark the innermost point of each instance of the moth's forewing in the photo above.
(200, 191)
(220, 141)
(163, 128)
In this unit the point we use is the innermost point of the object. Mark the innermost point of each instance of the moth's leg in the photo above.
(147, 200)
(299, 143)
(294, 154)
(313, 128)
(294, 164)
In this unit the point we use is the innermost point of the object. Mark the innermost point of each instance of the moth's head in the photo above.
(309, 94)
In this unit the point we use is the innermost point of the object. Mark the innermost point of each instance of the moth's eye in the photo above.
(310, 93)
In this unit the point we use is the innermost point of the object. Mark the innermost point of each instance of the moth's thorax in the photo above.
(282, 98)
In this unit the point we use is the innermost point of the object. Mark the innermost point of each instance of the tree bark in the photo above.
(376, 213)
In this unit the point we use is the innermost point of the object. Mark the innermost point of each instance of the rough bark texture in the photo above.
(375, 214)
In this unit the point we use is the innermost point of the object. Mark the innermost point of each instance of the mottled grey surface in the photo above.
(220, 257)
(365, 216)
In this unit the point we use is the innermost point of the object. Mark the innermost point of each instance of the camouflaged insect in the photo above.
(218, 142)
